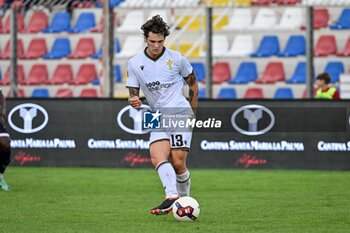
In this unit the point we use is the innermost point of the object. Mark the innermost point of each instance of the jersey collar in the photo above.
(154, 59)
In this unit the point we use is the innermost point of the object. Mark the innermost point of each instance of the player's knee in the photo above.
(5, 145)
(179, 166)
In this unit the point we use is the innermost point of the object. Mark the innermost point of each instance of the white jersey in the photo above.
(161, 80)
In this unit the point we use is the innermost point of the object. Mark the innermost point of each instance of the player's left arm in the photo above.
(193, 91)
(2, 108)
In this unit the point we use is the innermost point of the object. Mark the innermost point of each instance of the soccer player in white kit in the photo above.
(161, 74)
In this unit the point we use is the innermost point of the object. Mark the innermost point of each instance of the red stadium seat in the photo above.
(274, 72)
(321, 18)
(254, 93)
(36, 49)
(64, 93)
(20, 93)
(346, 51)
(287, 2)
(7, 51)
(221, 72)
(20, 75)
(326, 45)
(85, 48)
(37, 22)
(1, 29)
(86, 74)
(62, 74)
(20, 23)
(37, 75)
(88, 93)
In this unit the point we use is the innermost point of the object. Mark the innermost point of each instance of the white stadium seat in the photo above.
(292, 18)
(132, 22)
(131, 46)
(242, 46)
(241, 19)
(265, 19)
(220, 45)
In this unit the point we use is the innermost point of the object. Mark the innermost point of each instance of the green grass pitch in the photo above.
(118, 200)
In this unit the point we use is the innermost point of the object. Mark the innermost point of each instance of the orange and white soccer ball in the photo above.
(186, 209)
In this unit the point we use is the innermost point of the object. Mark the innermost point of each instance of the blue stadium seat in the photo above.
(199, 70)
(227, 93)
(40, 93)
(98, 54)
(283, 93)
(343, 21)
(117, 74)
(269, 46)
(334, 69)
(59, 23)
(85, 22)
(114, 3)
(60, 49)
(201, 93)
(296, 46)
(299, 75)
(247, 72)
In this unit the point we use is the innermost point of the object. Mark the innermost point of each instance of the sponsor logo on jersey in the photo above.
(170, 64)
(155, 86)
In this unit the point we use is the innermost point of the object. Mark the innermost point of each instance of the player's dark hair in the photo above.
(156, 25)
(325, 77)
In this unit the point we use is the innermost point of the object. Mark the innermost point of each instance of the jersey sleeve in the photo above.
(131, 77)
(185, 67)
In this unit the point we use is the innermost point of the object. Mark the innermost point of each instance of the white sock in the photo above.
(183, 184)
(167, 175)
(1, 176)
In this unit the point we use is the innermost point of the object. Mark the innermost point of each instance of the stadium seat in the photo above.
(98, 54)
(334, 69)
(20, 93)
(221, 72)
(346, 51)
(265, 19)
(59, 49)
(283, 93)
(38, 74)
(20, 23)
(59, 23)
(243, 2)
(88, 93)
(199, 71)
(85, 48)
(99, 27)
(184, 49)
(7, 51)
(269, 46)
(326, 45)
(274, 72)
(254, 93)
(299, 75)
(40, 93)
(132, 22)
(1, 28)
(242, 46)
(321, 18)
(241, 19)
(36, 49)
(114, 3)
(201, 93)
(296, 46)
(37, 22)
(292, 18)
(343, 21)
(62, 74)
(84, 23)
(86, 74)
(117, 74)
(131, 46)
(220, 45)
(247, 72)
(227, 93)
(20, 75)
(287, 2)
(64, 93)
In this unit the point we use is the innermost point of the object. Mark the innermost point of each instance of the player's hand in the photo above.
(135, 102)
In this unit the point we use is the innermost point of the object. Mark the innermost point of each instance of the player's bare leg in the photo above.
(183, 181)
(160, 152)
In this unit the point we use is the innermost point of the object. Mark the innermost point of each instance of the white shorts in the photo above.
(177, 139)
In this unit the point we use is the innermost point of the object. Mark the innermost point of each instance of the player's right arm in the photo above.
(134, 87)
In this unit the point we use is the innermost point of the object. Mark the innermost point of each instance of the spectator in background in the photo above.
(324, 90)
